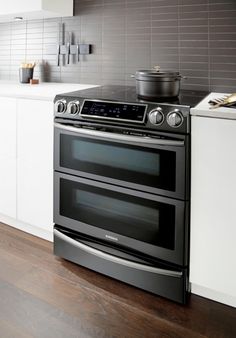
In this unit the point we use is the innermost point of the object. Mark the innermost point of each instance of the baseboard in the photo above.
(31, 229)
(213, 294)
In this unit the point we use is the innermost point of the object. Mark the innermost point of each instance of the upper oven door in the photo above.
(155, 165)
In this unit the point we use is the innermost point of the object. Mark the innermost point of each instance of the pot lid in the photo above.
(157, 72)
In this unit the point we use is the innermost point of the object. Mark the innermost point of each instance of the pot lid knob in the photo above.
(157, 68)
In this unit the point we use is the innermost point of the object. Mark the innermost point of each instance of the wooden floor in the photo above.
(44, 296)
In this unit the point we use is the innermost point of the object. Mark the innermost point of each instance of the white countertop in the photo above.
(203, 108)
(42, 91)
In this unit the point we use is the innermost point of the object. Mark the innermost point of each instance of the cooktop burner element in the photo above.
(119, 105)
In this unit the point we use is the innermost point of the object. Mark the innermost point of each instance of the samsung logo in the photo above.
(111, 238)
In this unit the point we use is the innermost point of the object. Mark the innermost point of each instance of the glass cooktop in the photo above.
(128, 94)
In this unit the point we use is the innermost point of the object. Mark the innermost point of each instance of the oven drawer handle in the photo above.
(115, 259)
(121, 137)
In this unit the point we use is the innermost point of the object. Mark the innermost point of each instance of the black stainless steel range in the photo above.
(121, 186)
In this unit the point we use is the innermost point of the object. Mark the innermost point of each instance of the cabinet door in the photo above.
(35, 163)
(8, 157)
(213, 205)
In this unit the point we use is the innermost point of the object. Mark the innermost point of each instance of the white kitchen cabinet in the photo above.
(8, 157)
(213, 209)
(26, 155)
(35, 163)
(36, 9)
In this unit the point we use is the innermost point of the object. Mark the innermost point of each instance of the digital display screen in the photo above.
(113, 110)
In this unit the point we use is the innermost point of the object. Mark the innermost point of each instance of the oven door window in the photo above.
(145, 220)
(151, 167)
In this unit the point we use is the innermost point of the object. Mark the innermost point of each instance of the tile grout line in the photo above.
(10, 64)
(26, 39)
(179, 57)
(208, 47)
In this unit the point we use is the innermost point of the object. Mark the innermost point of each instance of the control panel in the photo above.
(151, 115)
(114, 110)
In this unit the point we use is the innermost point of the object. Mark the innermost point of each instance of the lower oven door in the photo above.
(151, 164)
(152, 225)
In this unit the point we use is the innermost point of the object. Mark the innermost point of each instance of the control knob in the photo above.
(73, 107)
(60, 106)
(175, 118)
(156, 116)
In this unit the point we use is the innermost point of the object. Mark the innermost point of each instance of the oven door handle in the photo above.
(120, 137)
(116, 259)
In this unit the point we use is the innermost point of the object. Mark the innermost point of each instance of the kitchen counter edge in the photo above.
(43, 91)
(203, 108)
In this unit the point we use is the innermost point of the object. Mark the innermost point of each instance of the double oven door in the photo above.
(126, 190)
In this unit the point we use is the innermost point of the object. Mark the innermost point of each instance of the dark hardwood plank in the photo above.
(9, 331)
(87, 304)
(96, 310)
(32, 317)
